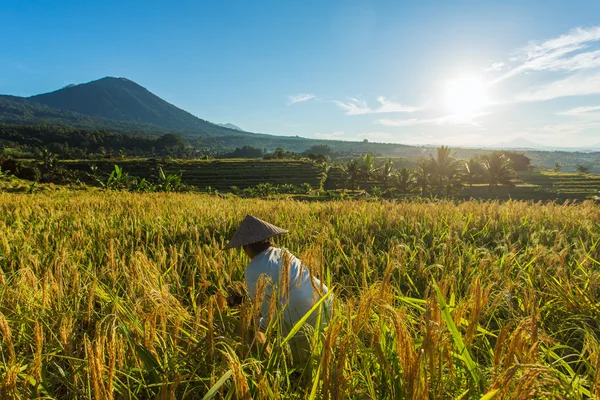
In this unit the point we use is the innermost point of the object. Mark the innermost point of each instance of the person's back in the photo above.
(303, 290)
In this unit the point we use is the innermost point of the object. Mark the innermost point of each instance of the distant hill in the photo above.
(524, 144)
(120, 99)
(519, 143)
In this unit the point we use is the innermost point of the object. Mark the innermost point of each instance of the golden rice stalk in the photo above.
(167, 391)
(8, 386)
(284, 280)
(242, 391)
(478, 298)
(150, 332)
(339, 381)
(501, 343)
(263, 387)
(211, 329)
(262, 284)
(330, 343)
(245, 322)
(95, 356)
(409, 357)
(111, 348)
(90, 300)
(65, 331)
(592, 348)
(272, 310)
(36, 365)
(7, 339)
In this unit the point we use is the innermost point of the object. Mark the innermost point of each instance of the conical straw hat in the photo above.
(253, 230)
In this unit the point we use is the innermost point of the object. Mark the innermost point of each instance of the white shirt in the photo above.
(302, 296)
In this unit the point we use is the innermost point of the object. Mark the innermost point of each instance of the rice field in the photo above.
(218, 174)
(109, 295)
(224, 174)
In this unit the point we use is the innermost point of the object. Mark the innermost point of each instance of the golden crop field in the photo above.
(115, 295)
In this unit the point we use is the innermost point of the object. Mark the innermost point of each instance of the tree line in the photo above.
(73, 143)
(441, 174)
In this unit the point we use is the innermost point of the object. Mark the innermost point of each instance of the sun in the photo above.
(466, 97)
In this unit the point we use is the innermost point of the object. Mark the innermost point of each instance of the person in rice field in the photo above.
(295, 289)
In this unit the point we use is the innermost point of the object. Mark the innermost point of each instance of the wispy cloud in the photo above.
(570, 52)
(407, 122)
(355, 106)
(299, 98)
(445, 120)
(584, 112)
(574, 85)
(335, 135)
(372, 136)
(560, 131)
(497, 66)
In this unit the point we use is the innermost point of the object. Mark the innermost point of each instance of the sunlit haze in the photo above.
(466, 97)
(455, 73)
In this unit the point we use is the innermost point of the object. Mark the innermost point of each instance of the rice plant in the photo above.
(117, 295)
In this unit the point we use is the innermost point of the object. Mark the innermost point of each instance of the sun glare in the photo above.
(466, 97)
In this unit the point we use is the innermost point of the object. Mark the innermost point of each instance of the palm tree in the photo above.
(403, 180)
(385, 173)
(352, 173)
(444, 170)
(422, 176)
(367, 167)
(497, 170)
(472, 170)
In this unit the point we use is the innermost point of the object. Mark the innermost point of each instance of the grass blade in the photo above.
(462, 350)
(215, 388)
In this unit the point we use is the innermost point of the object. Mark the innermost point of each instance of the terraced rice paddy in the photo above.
(220, 174)
(223, 174)
(568, 183)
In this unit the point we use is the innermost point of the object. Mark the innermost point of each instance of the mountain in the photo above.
(118, 105)
(519, 143)
(231, 126)
(119, 99)
(524, 144)
(21, 111)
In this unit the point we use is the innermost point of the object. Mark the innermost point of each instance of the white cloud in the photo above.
(406, 122)
(359, 107)
(300, 98)
(574, 85)
(569, 52)
(371, 136)
(565, 130)
(584, 112)
(335, 135)
(497, 66)
(445, 120)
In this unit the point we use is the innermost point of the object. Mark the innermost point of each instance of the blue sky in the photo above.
(457, 73)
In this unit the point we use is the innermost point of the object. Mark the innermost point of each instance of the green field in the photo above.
(218, 174)
(119, 295)
(243, 173)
